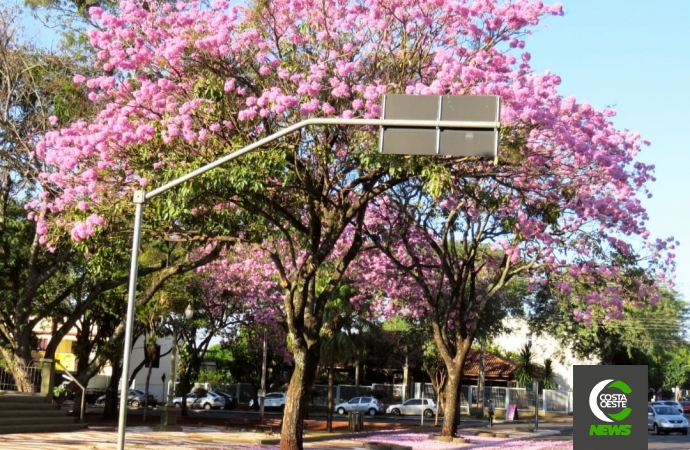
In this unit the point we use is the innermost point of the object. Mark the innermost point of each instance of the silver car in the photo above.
(413, 406)
(369, 405)
(665, 419)
(135, 398)
(670, 403)
(201, 399)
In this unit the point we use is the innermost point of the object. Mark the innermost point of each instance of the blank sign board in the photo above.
(465, 125)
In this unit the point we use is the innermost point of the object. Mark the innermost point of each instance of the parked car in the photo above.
(230, 401)
(273, 400)
(665, 419)
(413, 406)
(370, 405)
(202, 399)
(685, 404)
(135, 398)
(670, 403)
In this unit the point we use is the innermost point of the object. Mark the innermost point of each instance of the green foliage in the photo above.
(343, 338)
(671, 368)
(242, 358)
(526, 368)
(509, 302)
(60, 391)
(215, 377)
(652, 335)
(647, 328)
(547, 375)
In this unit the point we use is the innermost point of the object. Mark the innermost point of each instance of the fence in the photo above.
(549, 401)
(8, 383)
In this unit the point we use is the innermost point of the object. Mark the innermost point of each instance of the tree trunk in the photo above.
(21, 376)
(357, 377)
(306, 361)
(452, 412)
(110, 410)
(329, 412)
(454, 366)
(146, 388)
(19, 360)
(480, 381)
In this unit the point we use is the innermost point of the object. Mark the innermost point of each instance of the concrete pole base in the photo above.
(168, 420)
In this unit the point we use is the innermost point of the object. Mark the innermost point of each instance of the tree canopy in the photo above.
(181, 85)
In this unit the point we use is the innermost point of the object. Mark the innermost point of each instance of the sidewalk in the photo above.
(215, 438)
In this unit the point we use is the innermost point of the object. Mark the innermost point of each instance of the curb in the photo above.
(339, 436)
(514, 438)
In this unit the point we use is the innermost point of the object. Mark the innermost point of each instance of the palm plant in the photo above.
(525, 367)
(547, 375)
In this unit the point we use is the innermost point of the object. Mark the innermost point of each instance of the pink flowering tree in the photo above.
(184, 84)
(572, 230)
(245, 277)
(236, 291)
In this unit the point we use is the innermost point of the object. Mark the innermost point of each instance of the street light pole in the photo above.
(263, 381)
(139, 199)
(437, 123)
(536, 405)
(173, 361)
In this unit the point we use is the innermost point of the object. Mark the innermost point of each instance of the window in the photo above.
(354, 401)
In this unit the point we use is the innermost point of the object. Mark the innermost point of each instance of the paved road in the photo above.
(675, 441)
(224, 414)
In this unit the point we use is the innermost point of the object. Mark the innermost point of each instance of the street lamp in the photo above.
(449, 125)
(169, 413)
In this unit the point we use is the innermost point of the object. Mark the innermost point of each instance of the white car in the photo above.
(369, 405)
(665, 419)
(273, 400)
(413, 406)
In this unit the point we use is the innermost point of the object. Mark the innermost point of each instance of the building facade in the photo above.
(543, 347)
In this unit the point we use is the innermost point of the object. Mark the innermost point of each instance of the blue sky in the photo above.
(633, 55)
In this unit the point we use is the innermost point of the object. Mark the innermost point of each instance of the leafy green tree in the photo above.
(35, 283)
(646, 330)
(216, 377)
